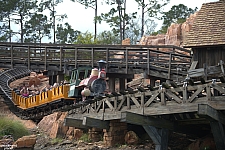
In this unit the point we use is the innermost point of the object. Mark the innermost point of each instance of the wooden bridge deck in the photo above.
(165, 107)
(167, 62)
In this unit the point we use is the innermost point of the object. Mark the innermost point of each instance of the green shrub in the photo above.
(56, 141)
(12, 127)
(85, 138)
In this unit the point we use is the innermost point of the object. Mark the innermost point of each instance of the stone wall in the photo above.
(115, 134)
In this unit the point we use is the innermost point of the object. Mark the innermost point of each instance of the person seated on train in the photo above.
(25, 93)
(55, 85)
(35, 92)
(23, 88)
(47, 88)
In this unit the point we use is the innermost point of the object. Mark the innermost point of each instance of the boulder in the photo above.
(77, 133)
(47, 122)
(26, 141)
(203, 143)
(131, 138)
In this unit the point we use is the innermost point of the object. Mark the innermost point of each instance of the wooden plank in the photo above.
(204, 109)
(109, 104)
(134, 100)
(91, 122)
(146, 120)
(196, 93)
(151, 99)
(193, 65)
(173, 96)
(71, 122)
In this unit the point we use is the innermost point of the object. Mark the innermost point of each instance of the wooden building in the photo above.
(207, 36)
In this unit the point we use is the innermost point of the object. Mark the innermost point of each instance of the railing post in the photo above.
(148, 61)
(45, 58)
(28, 57)
(169, 70)
(75, 58)
(107, 59)
(126, 61)
(60, 61)
(11, 52)
(92, 57)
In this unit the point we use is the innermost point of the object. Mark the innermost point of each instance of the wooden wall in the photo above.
(209, 55)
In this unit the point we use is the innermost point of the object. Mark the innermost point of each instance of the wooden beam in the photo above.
(218, 134)
(71, 122)
(120, 75)
(146, 120)
(158, 136)
(207, 110)
(91, 122)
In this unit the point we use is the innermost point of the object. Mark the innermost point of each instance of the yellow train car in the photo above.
(44, 102)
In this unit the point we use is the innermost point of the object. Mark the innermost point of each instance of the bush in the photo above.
(11, 127)
(85, 138)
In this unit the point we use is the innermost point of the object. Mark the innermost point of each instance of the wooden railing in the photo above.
(169, 100)
(120, 58)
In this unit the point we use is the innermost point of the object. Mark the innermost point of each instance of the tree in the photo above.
(65, 34)
(22, 12)
(107, 37)
(37, 28)
(177, 14)
(153, 8)
(6, 10)
(133, 31)
(94, 5)
(117, 22)
(50, 5)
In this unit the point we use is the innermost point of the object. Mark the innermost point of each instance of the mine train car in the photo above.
(85, 84)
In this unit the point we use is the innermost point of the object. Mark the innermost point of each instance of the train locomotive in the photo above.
(84, 87)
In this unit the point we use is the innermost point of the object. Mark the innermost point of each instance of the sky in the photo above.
(81, 19)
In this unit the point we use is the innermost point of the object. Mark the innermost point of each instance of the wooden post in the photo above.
(122, 84)
(112, 84)
(218, 134)
(107, 59)
(92, 57)
(158, 136)
(28, 58)
(169, 69)
(75, 58)
(60, 59)
(45, 58)
(126, 60)
(11, 51)
(148, 61)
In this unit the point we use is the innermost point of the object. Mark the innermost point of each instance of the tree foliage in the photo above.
(177, 14)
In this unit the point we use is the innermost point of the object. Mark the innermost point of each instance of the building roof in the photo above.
(209, 26)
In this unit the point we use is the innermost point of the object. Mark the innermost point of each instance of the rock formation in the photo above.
(175, 35)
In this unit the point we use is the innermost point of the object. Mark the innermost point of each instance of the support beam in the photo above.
(158, 136)
(112, 84)
(100, 124)
(122, 84)
(207, 110)
(218, 134)
(120, 75)
(71, 122)
(146, 120)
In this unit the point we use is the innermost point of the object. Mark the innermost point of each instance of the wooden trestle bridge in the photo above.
(176, 104)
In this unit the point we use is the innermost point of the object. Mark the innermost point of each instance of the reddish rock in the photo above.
(203, 143)
(47, 122)
(53, 125)
(26, 141)
(77, 133)
(131, 138)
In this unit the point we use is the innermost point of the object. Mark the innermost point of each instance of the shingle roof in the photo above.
(209, 26)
